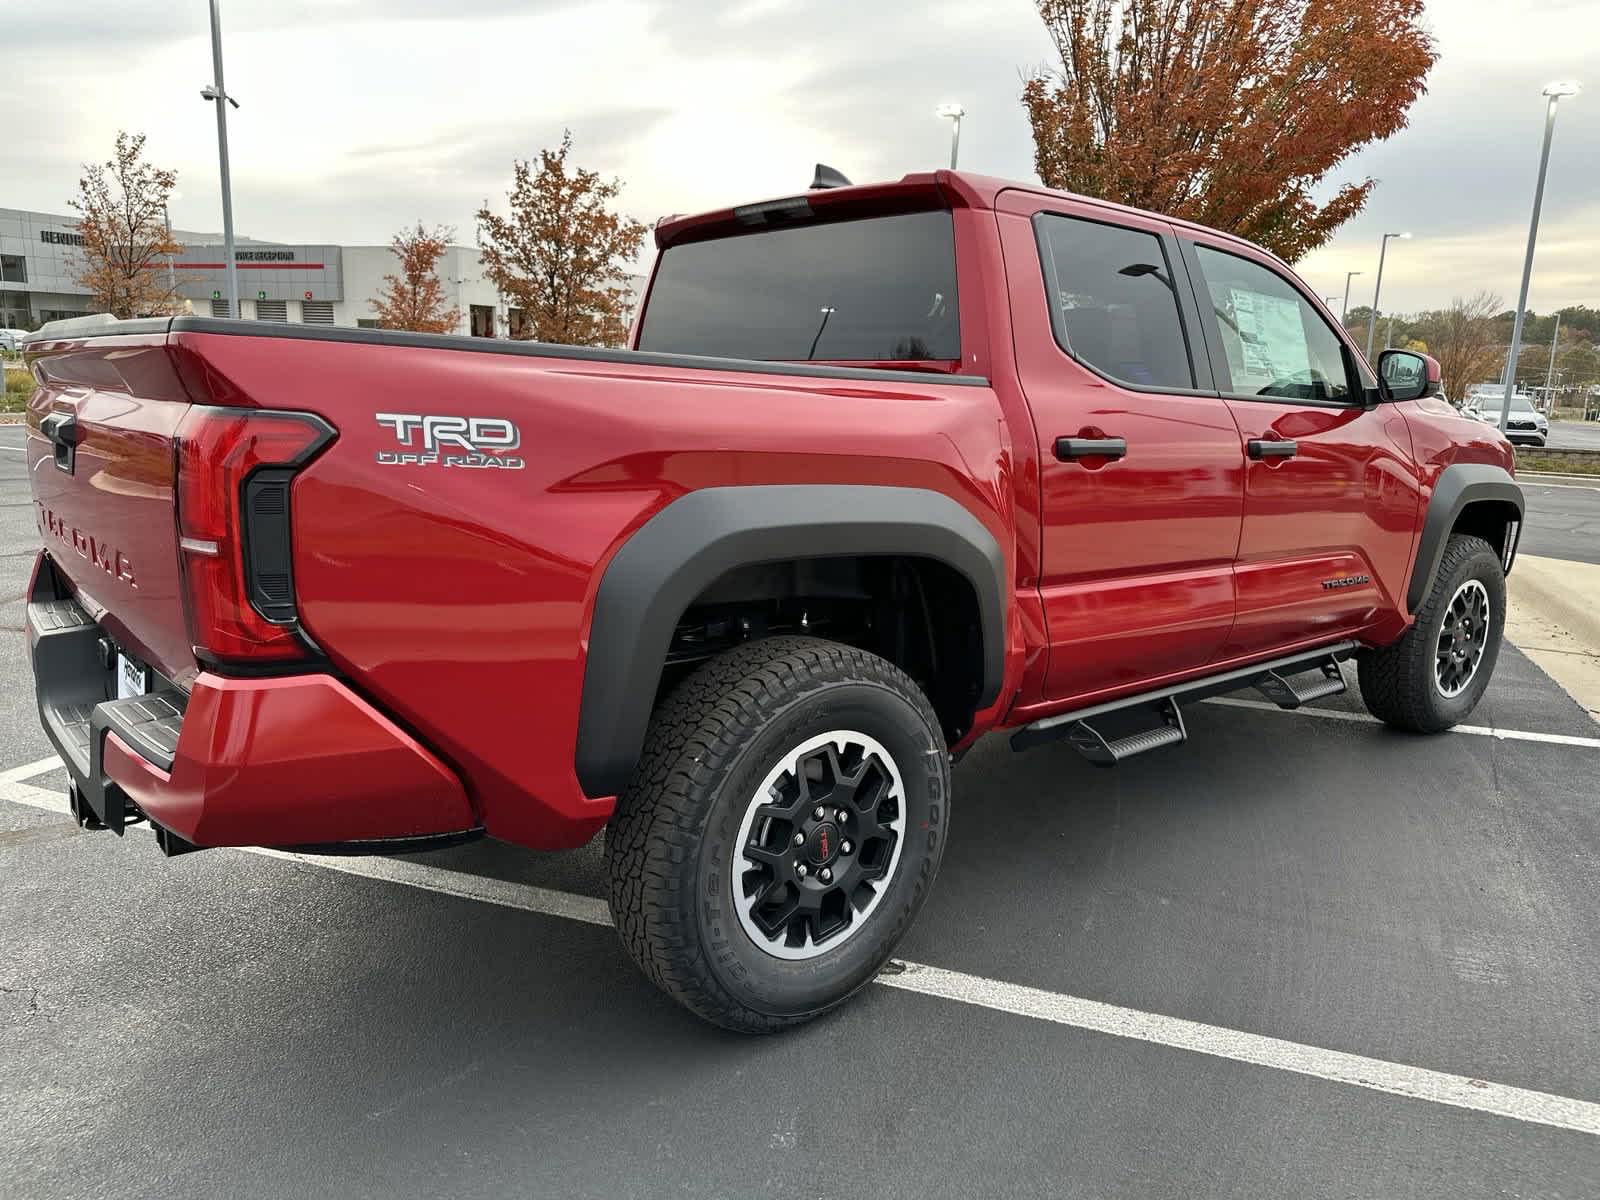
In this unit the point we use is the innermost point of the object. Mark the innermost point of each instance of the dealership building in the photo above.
(313, 284)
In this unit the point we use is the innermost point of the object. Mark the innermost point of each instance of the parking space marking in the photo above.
(29, 770)
(1334, 1066)
(1333, 714)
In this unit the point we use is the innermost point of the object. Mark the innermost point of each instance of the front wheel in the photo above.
(1434, 676)
(781, 831)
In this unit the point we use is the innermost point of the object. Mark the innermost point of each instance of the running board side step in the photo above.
(1273, 679)
(1285, 693)
(1089, 742)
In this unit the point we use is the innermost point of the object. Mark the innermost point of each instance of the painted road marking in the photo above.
(1505, 735)
(29, 770)
(1336, 1066)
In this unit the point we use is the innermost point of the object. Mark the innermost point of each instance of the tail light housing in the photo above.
(234, 471)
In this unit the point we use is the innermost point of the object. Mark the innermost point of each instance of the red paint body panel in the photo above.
(457, 602)
(288, 762)
(127, 396)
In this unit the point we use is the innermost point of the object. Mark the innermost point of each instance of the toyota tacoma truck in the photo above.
(884, 469)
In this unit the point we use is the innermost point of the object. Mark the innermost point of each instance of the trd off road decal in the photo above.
(428, 441)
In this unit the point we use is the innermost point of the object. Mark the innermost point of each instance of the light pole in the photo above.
(1328, 300)
(166, 218)
(218, 95)
(954, 112)
(1344, 313)
(1372, 325)
(1553, 92)
(1549, 396)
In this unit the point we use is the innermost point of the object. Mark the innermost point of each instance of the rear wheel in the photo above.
(1434, 676)
(781, 831)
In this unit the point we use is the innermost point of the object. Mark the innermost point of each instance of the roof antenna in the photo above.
(827, 177)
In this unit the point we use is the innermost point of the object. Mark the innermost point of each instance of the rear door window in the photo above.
(881, 289)
(1114, 303)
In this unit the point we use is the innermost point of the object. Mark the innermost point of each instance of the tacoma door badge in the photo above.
(440, 441)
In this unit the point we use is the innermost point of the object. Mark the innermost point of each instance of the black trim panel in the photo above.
(698, 538)
(1460, 484)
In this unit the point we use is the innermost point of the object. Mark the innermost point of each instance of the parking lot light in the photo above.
(1344, 312)
(1553, 93)
(953, 113)
(1372, 324)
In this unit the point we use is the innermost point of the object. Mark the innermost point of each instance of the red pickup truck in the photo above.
(886, 468)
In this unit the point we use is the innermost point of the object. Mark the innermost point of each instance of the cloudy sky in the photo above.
(362, 115)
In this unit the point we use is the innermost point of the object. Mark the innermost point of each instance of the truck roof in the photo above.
(916, 192)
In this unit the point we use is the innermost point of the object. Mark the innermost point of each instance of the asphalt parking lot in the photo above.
(1574, 435)
(1299, 956)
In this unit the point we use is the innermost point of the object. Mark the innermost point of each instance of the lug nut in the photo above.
(844, 847)
(825, 875)
(839, 814)
(799, 839)
(819, 812)
(800, 870)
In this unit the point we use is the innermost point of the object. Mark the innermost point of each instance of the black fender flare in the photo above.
(699, 537)
(1459, 485)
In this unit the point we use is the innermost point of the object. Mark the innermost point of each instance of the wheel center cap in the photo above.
(822, 847)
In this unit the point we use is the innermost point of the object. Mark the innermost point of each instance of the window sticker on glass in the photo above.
(1272, 340)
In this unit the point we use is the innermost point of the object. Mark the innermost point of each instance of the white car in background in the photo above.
(11, 339)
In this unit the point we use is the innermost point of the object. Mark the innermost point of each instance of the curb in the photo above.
(1555, 477)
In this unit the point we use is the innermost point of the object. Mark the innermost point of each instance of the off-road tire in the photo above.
(671, 841)
(1398, 682)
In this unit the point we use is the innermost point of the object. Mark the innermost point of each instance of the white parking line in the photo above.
(1505, 735)
(30, 770)
(1336, 1066)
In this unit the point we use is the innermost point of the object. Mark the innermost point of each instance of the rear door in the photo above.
(100, 458)
(1141, 463)
(1330, 492)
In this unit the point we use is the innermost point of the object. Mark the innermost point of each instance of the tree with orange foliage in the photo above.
(1225, 112)
(560, 256)
(126, 247)
(414, 299)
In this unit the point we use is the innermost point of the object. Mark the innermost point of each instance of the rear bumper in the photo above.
(286, 761)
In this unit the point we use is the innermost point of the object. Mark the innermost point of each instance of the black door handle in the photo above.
(1268, 448)
(1068, 448)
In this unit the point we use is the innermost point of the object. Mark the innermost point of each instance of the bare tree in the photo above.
(1464, 339)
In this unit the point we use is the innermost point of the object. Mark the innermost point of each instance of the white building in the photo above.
(319, 284)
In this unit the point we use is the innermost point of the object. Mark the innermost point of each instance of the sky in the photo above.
(361, 116)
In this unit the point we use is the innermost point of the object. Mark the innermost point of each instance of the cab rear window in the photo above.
(873, 290)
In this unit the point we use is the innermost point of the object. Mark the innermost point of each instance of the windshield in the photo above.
(876, 290)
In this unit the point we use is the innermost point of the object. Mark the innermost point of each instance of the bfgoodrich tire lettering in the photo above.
(673, 847)
(1401, 684)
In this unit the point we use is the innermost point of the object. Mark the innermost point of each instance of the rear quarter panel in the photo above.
(459, 599)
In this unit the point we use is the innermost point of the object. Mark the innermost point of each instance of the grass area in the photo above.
(19, 386)
(1564, 462)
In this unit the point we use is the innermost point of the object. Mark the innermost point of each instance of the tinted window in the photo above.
(871, 290)
(1114, 302)
(1274, 342)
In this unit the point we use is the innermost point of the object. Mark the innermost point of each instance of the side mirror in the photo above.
(1407, 375)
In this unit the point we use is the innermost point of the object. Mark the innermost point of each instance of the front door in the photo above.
(1330, 491)
(1141, 465)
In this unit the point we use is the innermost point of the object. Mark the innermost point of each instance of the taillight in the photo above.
(235, 467)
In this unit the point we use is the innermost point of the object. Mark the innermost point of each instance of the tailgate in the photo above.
(100, 461)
